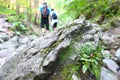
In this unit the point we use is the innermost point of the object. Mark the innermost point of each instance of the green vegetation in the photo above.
(91, 59)
(93, 9)
(19, 28)
(68, 68)
(5, 10)
(88, 61)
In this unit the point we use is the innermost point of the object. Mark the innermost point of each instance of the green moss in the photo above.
(47, 50)
(69, 70)
(65, 54)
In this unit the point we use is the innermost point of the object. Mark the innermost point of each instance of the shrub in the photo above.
(92, 8)
(19, 28)
(91, 58)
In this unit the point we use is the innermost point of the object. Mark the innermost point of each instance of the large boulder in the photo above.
(39, 59)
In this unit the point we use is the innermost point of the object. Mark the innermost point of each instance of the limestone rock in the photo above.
(38, 59)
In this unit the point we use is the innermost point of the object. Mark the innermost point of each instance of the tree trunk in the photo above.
(17, 7)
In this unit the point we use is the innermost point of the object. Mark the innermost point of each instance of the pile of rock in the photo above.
(111, 43)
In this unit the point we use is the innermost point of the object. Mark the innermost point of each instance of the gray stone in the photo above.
(4, 36)
(111, 65)
(4, 53)
(92, 32)
(106, 54)
(10, 44)
(74, 77)
(53, 55)
(117, 53)
(24, 40)
(2, 61)
(115, 23)
(107, 75)
(108, 39)
(73, 57)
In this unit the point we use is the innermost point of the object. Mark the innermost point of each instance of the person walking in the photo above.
(53, 19)
(45, 12)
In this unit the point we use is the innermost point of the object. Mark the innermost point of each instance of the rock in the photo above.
(4, 23)
(21, 48)
(112, 51)
(2, 61)
(74, 77)
(10, 44)
(115, 23)
(117, 53)
(24, 40)
(117, 56)
(96, 37)
(106, 54)
(39, 59)
(111, 65)
(92, 32)
(53, 55)
(73, 57)
(88, 37)
(4, 53)
(107, 39)
(107, 75)
(4, 36)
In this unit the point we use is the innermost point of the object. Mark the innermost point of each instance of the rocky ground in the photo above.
(9, 42)
(36, 58)
(111, 40)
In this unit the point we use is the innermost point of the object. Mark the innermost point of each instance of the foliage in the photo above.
(12, 19)
(92, 8)
(5, 10)
(65, 54)
(19, 28)
(69, 70)
(90, 57)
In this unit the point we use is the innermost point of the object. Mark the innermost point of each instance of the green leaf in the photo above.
(84, 69)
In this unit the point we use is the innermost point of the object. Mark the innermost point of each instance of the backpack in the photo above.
(45, 13)
(54, 15)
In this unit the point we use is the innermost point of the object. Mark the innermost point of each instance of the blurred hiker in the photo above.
(53, 19)
(45, 12)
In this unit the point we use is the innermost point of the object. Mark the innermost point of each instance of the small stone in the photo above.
(117, 53)
(112, 51)
(73, 57)
(106, 54)
(74, 77)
